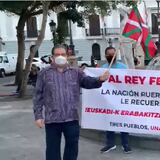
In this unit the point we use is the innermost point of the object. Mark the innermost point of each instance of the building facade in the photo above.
(98, 33)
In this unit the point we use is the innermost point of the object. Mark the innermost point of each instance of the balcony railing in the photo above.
(99, 33)
(111, 31)
(104, 32)
(26, 36)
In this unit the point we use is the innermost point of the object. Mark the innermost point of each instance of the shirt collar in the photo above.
(53, 66)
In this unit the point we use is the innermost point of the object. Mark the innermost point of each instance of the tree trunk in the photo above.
(23, 86)
(34, 50)
(21, 48)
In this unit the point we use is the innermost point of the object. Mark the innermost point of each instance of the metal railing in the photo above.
(104, 31)
(111, 31)
(99, 33)
(25, 34)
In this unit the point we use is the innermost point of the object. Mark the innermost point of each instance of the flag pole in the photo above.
(110, 65)
(122, 52)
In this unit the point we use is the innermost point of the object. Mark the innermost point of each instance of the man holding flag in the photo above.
(137, 30)
(110, 54)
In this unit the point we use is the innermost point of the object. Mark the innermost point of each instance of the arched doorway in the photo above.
(96, 51)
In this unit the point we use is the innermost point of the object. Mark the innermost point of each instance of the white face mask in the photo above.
(60, 60)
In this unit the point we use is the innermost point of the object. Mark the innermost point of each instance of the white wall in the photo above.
(8, 26)
(151, 3)
(8, 23)
(112, 20)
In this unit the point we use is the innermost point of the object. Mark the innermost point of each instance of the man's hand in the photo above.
(40, 123)
(104, 76)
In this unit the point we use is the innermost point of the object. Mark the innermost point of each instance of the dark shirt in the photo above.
(58, 93)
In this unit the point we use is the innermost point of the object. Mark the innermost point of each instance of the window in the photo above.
(94, 25)
(96, 51)
(5, 59)
(154, 24)
(32, 27)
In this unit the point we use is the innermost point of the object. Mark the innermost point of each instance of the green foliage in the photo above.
(15, 7)
(89, 7)
(30, 8)
(62, 30)
(92, 7)
(131, 3)
(102, 7)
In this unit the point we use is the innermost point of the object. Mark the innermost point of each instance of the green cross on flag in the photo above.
(137, 30)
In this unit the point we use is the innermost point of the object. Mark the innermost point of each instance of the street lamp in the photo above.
(110, 42)
(158, 21)
(71, 54)
(71, 46)
(52, 25)
(70, 6)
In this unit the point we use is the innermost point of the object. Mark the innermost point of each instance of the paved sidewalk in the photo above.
(8, 92)
(7, 86)
(21, 140)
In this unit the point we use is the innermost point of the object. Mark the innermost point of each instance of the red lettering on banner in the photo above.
(87, 110)
(154, 80)
(134, 79)
(142, 79)
(114, 79)
(128, 79)
(122, 112)
(155, 128)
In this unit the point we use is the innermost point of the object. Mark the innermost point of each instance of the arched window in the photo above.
(96, 51)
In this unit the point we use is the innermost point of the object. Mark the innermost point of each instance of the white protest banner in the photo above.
(129, 101)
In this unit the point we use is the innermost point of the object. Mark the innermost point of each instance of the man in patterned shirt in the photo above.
(57, 94)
